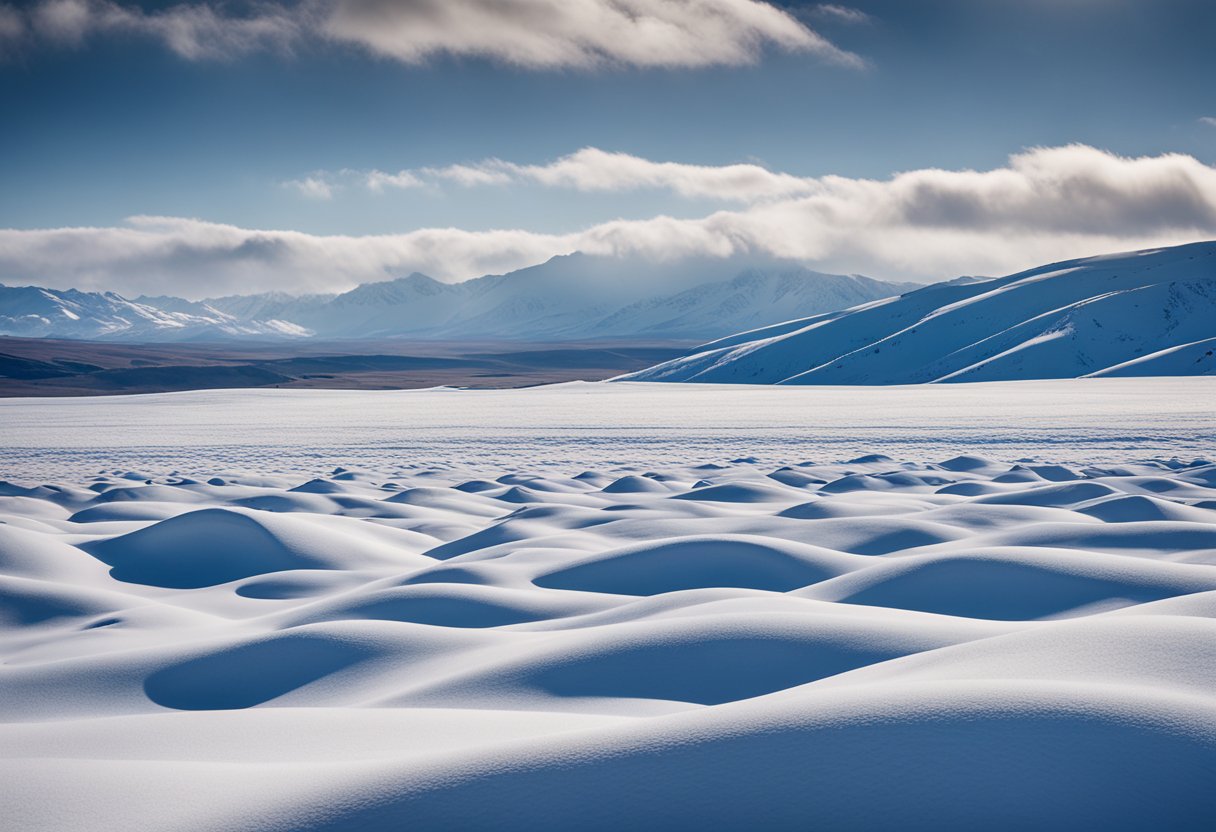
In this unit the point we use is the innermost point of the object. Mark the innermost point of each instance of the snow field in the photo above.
(958, 644)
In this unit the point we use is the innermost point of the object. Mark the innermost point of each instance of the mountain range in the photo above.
(569, 297)
(1142, 313)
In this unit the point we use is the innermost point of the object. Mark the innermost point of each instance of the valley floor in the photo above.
(49, 367)
(620, 606)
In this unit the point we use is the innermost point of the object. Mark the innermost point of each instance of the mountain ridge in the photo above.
(568, 297)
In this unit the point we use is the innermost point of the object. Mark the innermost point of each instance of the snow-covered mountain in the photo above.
(34, 312)
(579, 296)
(268, 306)
(1143, 313)
(753, 298)
(570, 297)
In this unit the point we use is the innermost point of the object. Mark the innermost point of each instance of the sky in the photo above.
(205, 148)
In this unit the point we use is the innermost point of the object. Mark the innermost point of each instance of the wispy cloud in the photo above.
(193, 31)
(1045, 204)
(533, 34)
(378, 180)
(318, 187)
(577, 33)
(592, 169)
(1210, 121)
(1058, 180)
(12, 25)
(840, 14)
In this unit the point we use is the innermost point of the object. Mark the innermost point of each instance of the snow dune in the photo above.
(963, 643)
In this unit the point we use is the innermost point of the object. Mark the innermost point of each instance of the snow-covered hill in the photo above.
(570, 297)
(1142, 313)
(34, 312)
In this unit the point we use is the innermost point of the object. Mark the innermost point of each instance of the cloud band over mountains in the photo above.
(1045, 204)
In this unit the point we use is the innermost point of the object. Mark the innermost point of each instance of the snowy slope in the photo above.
(1111, 315)
(30, 311)
(268, 306)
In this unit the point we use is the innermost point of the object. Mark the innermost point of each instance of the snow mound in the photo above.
(218, 545)
(654, 568)
(877, 643)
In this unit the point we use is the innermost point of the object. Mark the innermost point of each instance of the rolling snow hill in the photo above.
(570, 297)
(1142, 313)
(453, 630)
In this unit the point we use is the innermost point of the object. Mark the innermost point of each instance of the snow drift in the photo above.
(960, 644)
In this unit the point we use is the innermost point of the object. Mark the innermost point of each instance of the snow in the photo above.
(1143, 313)
(572, 297)
(611, 606)
(580, 425)
(46, 313)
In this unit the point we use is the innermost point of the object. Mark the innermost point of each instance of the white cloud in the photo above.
(841, 14)
(1210, 121)
(195, 259)
(322, 185)
(1046, 204)
(317, 187)
(591, 169)
(193, 31)
(1062, 186)
(378, 180)
(489, 172)
(535, 34)
(576, 33)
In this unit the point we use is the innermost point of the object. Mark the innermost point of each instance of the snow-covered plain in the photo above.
(611, 606)
(578, 425)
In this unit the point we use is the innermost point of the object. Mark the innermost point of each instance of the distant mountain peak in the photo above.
(572, 296)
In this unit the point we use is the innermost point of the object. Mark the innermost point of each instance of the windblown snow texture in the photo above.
(709, 644)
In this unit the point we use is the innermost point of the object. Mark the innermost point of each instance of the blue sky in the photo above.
(111, 113)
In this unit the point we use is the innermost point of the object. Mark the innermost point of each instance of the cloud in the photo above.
(12, 24)
(378, 180)
(1062, 186)
(317, 187)
(193, 31)
(591, 169)
(533, 34)
(1210, 121)
(322, 184)
(1044, 205)
(196, 259)
(548, 34)
(841, 14)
